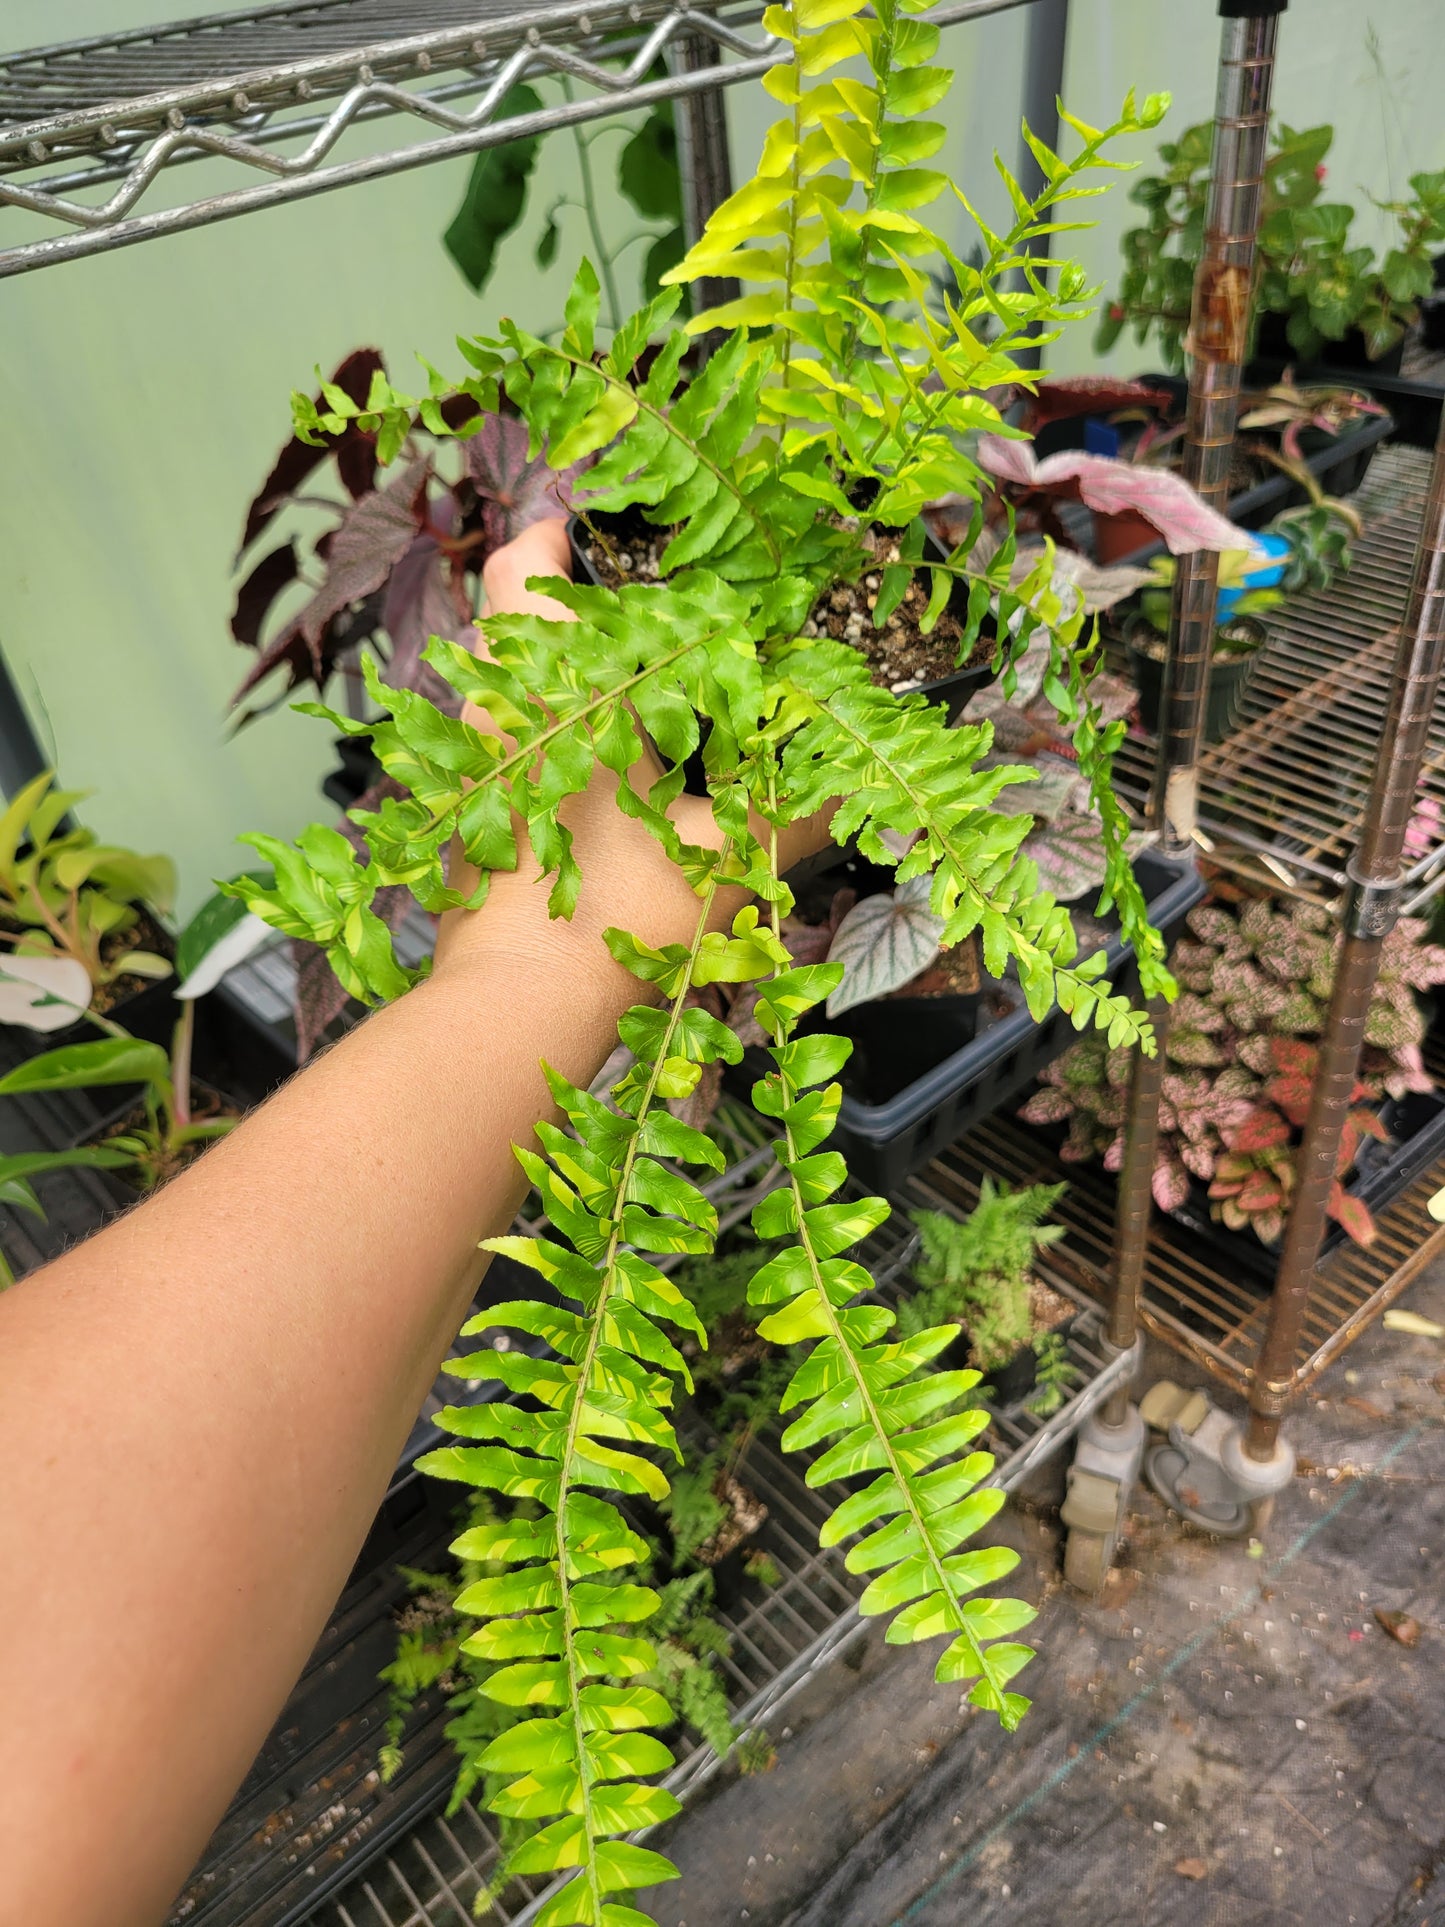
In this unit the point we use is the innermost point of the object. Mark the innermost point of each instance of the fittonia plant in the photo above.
(838, 382)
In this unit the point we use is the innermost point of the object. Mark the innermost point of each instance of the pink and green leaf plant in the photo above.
(1255, 982)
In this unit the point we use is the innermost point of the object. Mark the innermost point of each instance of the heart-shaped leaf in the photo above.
(883, 943)
(1069, 855)
(1165, 500)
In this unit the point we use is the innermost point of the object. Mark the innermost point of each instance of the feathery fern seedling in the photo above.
(838, 380)
(981, 1269)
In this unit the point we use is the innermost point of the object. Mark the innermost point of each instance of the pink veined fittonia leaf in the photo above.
(883, 943)
(1165, 500)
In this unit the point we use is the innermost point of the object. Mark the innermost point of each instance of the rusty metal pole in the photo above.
(1218, 337)
(1372, 906)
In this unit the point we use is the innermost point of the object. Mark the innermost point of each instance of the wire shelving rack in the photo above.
(1281, 800)
(89, 127)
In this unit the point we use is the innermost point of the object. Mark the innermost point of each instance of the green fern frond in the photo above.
(900, 767)
(556, 1619)
(865, 1393)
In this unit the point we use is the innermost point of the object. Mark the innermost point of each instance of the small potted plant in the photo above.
(1304, 548)
(1255, 984)
(144, 1113)
(980, 1270)
(1239, 635)
(79, 918)
(1318, 296)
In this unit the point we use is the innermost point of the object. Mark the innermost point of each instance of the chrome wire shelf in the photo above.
(1192, 1300)
(127, 108)
(781, 1635)
(1281, 799)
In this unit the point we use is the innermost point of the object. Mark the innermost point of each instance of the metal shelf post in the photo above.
(1372, 908)
(1109, 1453)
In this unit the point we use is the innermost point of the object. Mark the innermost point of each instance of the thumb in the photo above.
(543, 549)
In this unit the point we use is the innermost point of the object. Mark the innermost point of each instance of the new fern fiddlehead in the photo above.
(838, 396)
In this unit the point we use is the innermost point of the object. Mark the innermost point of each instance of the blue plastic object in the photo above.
(1100, 437)
(1264, 574)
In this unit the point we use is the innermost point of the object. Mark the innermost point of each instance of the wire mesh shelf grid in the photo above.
(1281, 799)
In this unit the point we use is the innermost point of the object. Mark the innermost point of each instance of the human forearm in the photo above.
(243, 1356)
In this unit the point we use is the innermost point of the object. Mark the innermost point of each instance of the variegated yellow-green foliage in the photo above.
(840, 378)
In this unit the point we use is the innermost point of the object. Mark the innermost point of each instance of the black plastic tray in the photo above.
(886, 1143)
(1417, 1124)
(313, 1806)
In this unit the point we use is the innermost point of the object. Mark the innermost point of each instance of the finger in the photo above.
(542, 549)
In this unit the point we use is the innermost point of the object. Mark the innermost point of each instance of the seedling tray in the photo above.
(886, 1143)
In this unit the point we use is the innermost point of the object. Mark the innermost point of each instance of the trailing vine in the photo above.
(836, 402)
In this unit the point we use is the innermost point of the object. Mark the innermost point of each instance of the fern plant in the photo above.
(839, 381)
(980, 1268)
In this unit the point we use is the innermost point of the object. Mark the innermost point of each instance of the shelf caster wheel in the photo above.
(1101, 1482)
(1087, 1559)
(1168, 1470)
(1200, 1469)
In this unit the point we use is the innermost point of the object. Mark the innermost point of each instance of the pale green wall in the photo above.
(145, 392)
(1383, 132)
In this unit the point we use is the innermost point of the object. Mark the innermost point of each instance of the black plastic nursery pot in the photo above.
(1416, 1123)
(953, 690)
(1009, 1384)
(1350, 353)
(886, 1142)
(1016, 1381)
(898, 1040)
(1230, 678)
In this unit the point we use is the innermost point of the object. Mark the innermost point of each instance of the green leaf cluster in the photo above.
(980, 1269)
(1306, 267)
(151, 1149)
(64, 893)
(495, 200)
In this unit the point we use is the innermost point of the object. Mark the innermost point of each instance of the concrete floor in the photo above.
(1224, 1738)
